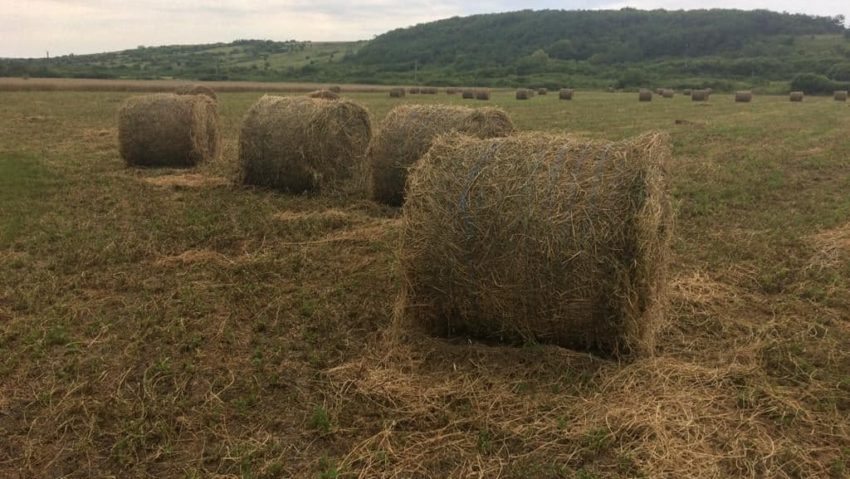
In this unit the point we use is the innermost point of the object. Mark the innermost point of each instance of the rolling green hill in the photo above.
(723, 49)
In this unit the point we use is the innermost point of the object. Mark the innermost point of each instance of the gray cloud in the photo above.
(28, 28)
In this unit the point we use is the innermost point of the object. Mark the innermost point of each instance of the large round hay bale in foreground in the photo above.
(406, 134)
(168, 130)
(644, 95)
(796, 96)
(840, 95)
(468, 94)
(298, 144)
(565, 94)
(197, 90)
(743, 96)
(699, 95)
(538, 238)
(324, 94)
(523, 94)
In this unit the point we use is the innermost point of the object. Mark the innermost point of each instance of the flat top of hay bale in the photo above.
(539, 237)
(196, 90)
(325, 94)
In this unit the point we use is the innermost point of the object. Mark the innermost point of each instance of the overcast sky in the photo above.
(29, 28)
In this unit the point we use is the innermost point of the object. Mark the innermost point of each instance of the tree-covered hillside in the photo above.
(627, 48)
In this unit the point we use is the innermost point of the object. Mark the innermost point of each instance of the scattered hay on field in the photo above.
(299, 144)
(840, 95)
(407, 132)
(644, 95)
(796, 96)
(565, 94)
(189, 180)
(540, 238)
(397, 93)
(743, 96)
(197, 90)
(832, 247)
(168, 130)
(323, 94)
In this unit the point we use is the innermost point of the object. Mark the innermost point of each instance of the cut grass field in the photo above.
(165, 323)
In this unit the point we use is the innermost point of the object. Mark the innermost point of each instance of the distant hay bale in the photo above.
(743, 96)
(196, 90)
(429, 90)
(667, 93)
(407, 132)
(482, 95)
(168, 130)
(686, 92)
(523, 94)
(611, 89)
(659, 91)
(840, 95)
(452, 91)
(708, 91)
(796, 96)
(414, 90)
(468, 94)
(324, 94)
(542, 91)
(699, 95)
(397, 93)
(299, 144)
(565, 94)
(538, 238)
(644, 95)
(335, 89)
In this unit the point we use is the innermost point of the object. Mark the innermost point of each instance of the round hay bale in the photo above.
(168, 130)
(414, 90)
(468, 94)
(335, 89)
(196, 90)
(452, 91)
(708, 91)
(686, 92)
(482, 95)
(699, 95)
(324, 94)
(430, 90)
(406, 134)
(668, 93)
(796, 96)
(397, 93)
(538, 237)
(840, 95)
(522, 94)
(611, 89)
(644, 95)
(299, 144)
(659, 91)
(542, 91)
(743, 96)
(565, 94)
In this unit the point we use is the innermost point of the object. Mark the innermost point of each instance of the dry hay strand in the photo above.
(743, 96)
(644, 95)
(335, 89)
(523, 94)
(468, 94)
(482, 95)
(323, 94)
(168, 130)
(565, 94)
(414, 90)
(840, 95)
(542, 91)
(832, 248)
(191, 180)
(668, 93)
(196, 90)
(541, 238)
(796, 96)
(699, 95)
(194, 256)
(397, 93)
(686, 92)
(406, 134)
(299, 144)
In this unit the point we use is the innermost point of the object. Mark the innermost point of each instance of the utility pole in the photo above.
(416, 71)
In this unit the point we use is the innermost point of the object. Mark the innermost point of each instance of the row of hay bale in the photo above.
(509, 237)
(527, 93)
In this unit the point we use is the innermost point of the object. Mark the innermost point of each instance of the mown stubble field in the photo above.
(164, 323)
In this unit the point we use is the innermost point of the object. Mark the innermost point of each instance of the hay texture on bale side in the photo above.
(468, 94)
(699, 95)
(565, 94)
(406, 134)
(644, 95)
(522, 94)
(668, 93)
(743, 96)
(397, 93)
(298, 144)
(324, 94)
(168, 130)
(796, 96)
(197, 90)
(840, 95)
(541, 238)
